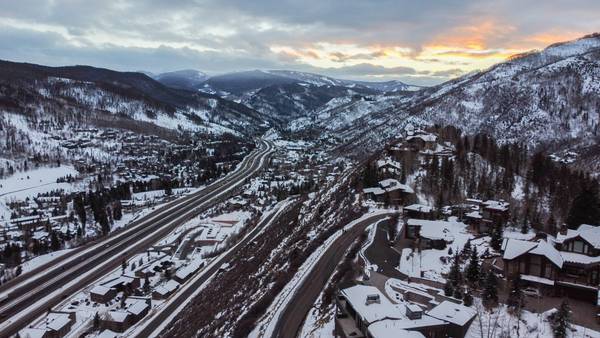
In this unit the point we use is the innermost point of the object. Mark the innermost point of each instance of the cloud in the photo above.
(378, 38)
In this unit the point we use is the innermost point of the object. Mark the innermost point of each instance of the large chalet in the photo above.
(568, 265)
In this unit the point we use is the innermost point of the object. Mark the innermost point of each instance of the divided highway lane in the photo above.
(292, 318)
(49, 287)
(35, 276)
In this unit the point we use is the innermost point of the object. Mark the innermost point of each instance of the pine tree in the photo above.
(455, 276)
(585, 209)
(472, 273)
(490, 290)
(96, 323)
(516, 298)
(448, 289)
(466, 251)
(561, 320)
(468, 299)
(54, 241)
(496, 238)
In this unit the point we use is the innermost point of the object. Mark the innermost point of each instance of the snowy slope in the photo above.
(549, 98)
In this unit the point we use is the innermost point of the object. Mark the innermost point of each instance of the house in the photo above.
(429, 234)
(388, 167)
(483, 216)
(165, 290)
(138, 307)
(364, 311)
(580, 250)
(116, 320)
(184, 273)
(422, 140)
(458, 317)
(102, 294)
(54, 325)
(122, 283)
(566, 266)
(495, 212)
(419, 211)
(389, 191)
(119, 320)
(536, 262)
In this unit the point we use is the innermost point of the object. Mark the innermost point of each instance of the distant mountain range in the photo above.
(547, 99)
(282, 95)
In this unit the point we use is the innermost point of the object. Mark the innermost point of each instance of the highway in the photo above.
(153, 324)
(297, 307)
(32, 294)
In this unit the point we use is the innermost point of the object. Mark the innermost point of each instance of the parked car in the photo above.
(532, 292)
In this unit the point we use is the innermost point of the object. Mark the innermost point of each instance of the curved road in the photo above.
(291, 319)
(32, 294)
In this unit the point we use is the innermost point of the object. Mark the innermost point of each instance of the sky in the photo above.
(418, 42)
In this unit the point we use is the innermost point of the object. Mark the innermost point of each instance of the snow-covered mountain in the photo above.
(96, 96)
(321, 80)
(286, 95)
(184, 79)
(548, 98)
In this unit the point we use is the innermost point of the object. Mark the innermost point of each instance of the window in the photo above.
(578, 246)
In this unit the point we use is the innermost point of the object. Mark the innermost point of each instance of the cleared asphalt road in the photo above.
(290, 322)
(151, 325)
(32, 294)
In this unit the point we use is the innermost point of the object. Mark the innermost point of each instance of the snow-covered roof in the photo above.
(57, 321)
(474, 214)
(573, 257)
(388, 162)
(33, 333)
(496, 205)
(136, 306)
(434, 230)
(107, 334)
(166, 288)
(536, 279)
(371, 311)
(100, 290)
(391, 184)
(118, 316)
(374, 190)
(419, 208)
(424, 137)
(392, 329)
(453, 313)
(589, 233)
(547, 250)
(514, 248)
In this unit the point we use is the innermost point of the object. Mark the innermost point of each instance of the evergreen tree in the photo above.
(468, 299)
(561, 320)
(448, 289)
(96, 323)
(585, 209)
(472, 272)
(496, 238)
(79, 207)
(455, 276)
(54, 242)
(490, 290)
(516, 298)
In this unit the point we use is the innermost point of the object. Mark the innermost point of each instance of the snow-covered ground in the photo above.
(28, 184)
(428, 263)
(268, 322)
